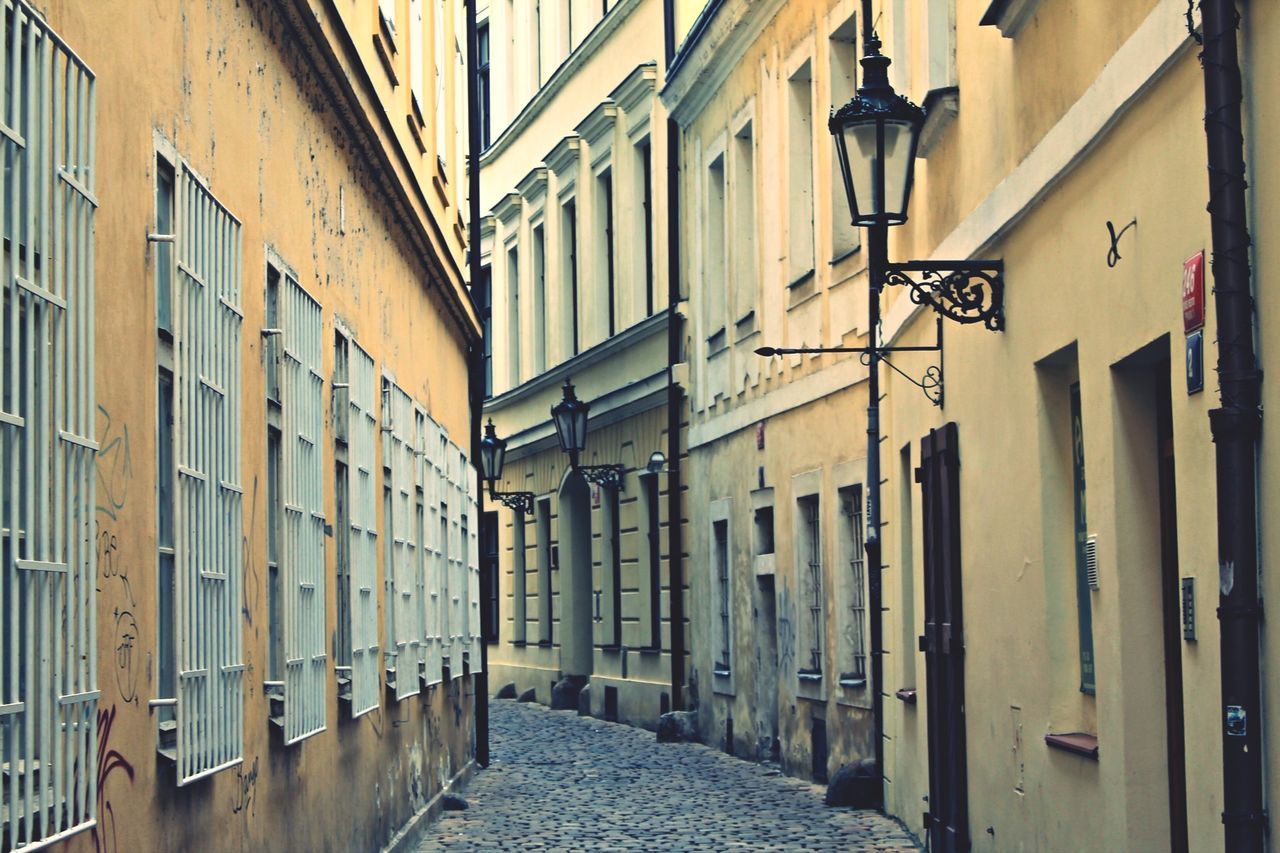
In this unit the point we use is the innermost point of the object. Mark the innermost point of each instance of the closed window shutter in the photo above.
(398, 446)
(48, 448)
(207, 326)
(429, 472)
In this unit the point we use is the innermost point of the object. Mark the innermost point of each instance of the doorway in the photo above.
(947, 821)
(766, 681)
(575, 576)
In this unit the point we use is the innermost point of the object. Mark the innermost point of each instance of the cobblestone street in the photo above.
(563, 782)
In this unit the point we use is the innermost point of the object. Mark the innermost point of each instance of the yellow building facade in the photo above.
(237, 338)
(575, 248)
(1069, 143)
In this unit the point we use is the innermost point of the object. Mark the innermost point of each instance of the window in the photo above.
(764, 530)
(48, 448)
(644, 161)
(853, 634)
(611, 574)
(387, 14)
(810, 582)
(800, 172)
(164, 246)
(296, 561)
(569, 252)
(1088, 683)
(724, 597)
(489, 556)
(900, 71)
(907, 572)
(653, 554)
(604, 239)
(417, 53)
(546, 555)
(430, 443)
(744, 225)
(405, 610)
(484, 91)
(513, 316)
(483, 292)
(714, 256)
(843, 53)
(539, 312)
(438, 24)
(358, 530)
(207, 522)
(537, 39)
(519, 579)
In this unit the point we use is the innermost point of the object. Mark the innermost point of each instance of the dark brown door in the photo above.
(947, 820)
(1170, 593)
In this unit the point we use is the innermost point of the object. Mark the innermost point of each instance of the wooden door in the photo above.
(947, 820)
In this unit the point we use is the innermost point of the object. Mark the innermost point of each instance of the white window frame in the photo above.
(405, 612)
(48, 671)
(851, 620)
(721, 513)
(801, 249)
(302, 557)
(208, 518)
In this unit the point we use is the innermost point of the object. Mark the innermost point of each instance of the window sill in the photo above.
(801, 280)
(845, 255)
(519, 643)
(907, 695)
(853, 683)
(649, 650)
(544, 644)
(717, 342)
(613, 648)
(385, 47)
(1079, 743)
(809, 677)
(722, 672)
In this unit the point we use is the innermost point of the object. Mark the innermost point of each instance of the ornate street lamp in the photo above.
(493, 455)
(570, 418)
(875, 139)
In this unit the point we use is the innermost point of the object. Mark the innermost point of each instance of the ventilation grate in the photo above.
(1091, 561)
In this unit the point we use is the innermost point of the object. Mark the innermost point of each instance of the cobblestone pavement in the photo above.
(563, 782)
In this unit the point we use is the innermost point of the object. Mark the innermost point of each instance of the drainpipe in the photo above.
(475, 378)
(675, 394)
(1235, 426)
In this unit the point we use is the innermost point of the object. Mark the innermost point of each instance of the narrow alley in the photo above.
(558, 781)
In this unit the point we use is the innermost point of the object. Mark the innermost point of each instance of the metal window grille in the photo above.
(362, 503)
(471, 542)
(302, 486)
(429, 477)
(398, 452)
(457, 567)
(813, 585)
(723, 596)
(206, 335)
(48, 677)
(857, 636)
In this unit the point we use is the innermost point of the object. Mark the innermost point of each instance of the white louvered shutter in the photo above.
(48, 672)
(363, 509)
(206, 336)
(302, 486)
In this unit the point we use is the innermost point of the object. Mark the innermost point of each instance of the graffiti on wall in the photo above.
(786, 632)
(110, 763)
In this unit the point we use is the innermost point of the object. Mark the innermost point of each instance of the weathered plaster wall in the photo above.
(225, 85)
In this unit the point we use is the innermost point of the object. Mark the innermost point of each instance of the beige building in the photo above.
(240, 576)
(776, 446)
(1080, 703)
(576, 250)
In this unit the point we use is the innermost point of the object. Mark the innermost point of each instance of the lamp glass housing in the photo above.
(876, 138)
(493, 454)
(570, 418)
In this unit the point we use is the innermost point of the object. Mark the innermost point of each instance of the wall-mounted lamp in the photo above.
(493, 455)
(570, 418)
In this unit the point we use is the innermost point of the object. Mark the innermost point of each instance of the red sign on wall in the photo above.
(1193, 292)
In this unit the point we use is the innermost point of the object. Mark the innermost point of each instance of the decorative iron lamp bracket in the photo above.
(521, 502)
(609, 476)
(964, 291)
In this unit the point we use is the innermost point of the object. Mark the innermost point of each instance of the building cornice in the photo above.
(488, 225)
(638, 86)
(598, 122)
(507, 207)
(609, 348)
(533, 186)
(326, 45)
(719, 39)
(564, 155)
(595, 40)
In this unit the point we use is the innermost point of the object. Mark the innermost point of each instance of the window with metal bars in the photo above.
(724, 598)
(295, 419)
(813, 615)
(611, 574)
(430, 475)
(853, 632)
(48, 447)
(405, 609)
(207, 733)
